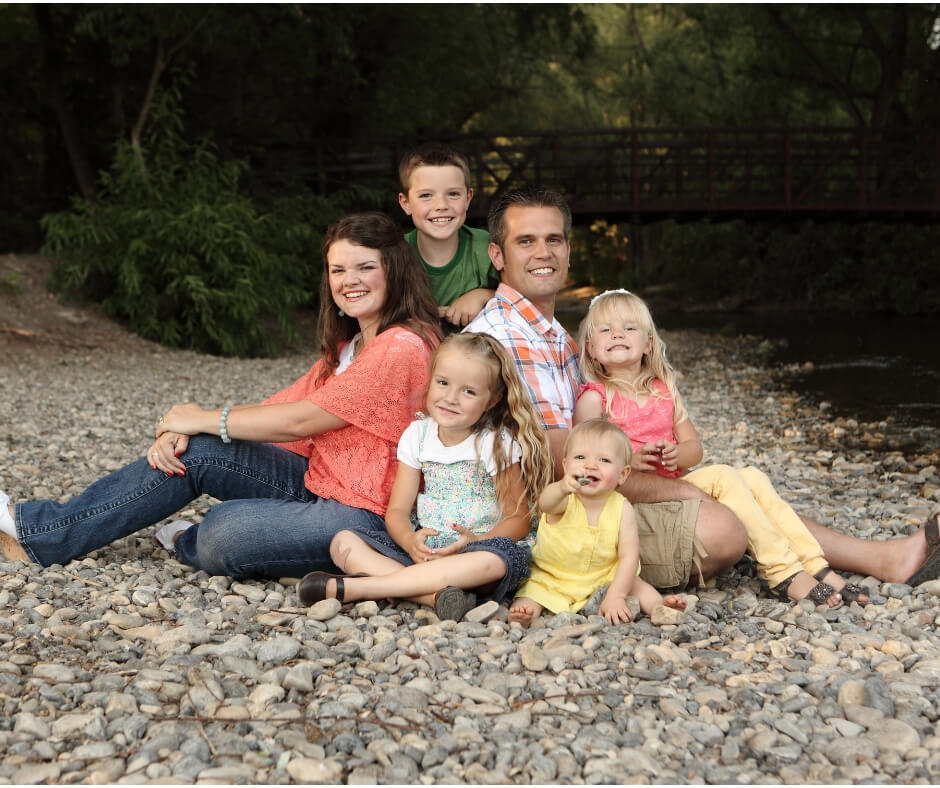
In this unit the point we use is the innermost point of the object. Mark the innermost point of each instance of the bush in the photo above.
(178, 252)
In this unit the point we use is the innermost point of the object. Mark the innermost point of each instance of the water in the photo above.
(869, 367)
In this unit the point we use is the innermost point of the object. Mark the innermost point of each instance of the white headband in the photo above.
(607, 293)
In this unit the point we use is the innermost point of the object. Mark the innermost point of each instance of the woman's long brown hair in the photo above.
(408, 299)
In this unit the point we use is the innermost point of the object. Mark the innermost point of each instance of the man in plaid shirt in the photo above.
(529, 230)
(685, 535)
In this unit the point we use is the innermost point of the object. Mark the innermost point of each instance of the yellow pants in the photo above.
(776, 537)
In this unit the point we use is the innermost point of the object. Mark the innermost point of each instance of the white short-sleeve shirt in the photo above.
(420, 443)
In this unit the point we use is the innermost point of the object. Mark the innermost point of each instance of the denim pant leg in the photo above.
(271, 538)
(137, 496)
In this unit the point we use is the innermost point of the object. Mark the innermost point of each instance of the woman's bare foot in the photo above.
(12, 550)
(524, 610)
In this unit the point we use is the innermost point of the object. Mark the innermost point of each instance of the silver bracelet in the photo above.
(223, 421)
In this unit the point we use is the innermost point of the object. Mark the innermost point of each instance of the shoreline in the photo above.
(126, 666)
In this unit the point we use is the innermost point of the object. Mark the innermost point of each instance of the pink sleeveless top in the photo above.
(652, 422)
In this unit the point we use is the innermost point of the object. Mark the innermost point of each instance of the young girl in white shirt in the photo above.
(472, 470)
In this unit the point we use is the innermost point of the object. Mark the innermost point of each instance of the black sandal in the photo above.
(819, 593)
(312, 587)
(850, 591)
(930, 569)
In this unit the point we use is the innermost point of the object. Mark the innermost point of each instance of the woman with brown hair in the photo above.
(291, 472)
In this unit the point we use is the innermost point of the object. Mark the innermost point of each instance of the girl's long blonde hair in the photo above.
(513, 412)
(625, 306)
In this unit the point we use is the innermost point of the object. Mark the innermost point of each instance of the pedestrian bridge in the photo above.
(649, 174)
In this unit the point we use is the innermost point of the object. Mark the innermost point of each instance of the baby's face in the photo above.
(599, 461)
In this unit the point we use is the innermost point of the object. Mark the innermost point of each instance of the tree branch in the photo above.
(160, 63)
(831, 78)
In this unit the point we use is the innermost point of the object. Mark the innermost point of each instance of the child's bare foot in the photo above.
(524, 610)
(674, 601)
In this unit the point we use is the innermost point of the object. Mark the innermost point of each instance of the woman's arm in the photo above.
(398, 515)
(282, 422)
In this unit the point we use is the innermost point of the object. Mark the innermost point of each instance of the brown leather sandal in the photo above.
(819, 593)
(850, 591)
(312, 587)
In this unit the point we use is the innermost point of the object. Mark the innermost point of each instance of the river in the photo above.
(872, 368)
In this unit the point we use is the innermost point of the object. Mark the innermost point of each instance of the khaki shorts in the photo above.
(668, 547)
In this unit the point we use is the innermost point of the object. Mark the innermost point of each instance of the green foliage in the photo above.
(805, 266)
(11, 284)
(181, 254)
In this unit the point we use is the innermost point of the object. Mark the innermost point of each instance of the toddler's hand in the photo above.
(646, 458)
(615, 610)
(569, 483)
(669, 455)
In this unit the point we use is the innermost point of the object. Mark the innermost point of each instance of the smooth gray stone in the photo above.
(279, 649)
(878, 696)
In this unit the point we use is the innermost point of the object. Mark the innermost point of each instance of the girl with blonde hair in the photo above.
(471, 470)
(631, 381)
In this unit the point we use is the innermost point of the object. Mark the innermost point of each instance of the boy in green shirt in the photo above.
(435, 182)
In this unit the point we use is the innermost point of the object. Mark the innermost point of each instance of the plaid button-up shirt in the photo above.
(545, 354)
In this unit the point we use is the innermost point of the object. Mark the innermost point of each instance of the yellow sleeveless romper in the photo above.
(571, 559)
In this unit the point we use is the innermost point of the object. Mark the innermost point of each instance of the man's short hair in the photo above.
(431, 154)
(524, 197)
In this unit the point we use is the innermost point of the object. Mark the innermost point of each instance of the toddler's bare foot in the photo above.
(674, 601)
(524, 610)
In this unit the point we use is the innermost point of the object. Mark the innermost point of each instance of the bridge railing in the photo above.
(673, 171)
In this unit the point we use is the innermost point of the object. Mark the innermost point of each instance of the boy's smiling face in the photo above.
(437, 201)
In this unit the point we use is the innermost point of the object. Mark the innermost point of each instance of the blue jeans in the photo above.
(268, 523)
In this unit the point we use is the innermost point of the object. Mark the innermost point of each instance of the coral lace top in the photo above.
(648, 423)
(378, 395)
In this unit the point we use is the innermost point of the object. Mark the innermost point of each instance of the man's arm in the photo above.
(556, 442)
(651, 488)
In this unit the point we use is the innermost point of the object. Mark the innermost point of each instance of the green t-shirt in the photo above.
(469, 269)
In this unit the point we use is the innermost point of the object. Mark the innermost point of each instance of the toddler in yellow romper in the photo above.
(587, 536)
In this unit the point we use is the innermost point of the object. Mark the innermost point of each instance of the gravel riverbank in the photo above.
(128, 667)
